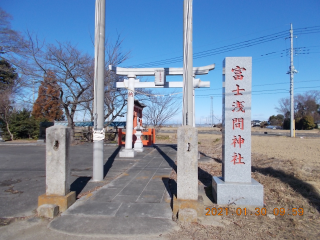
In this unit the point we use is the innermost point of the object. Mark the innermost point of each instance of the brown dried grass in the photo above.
(289, 171)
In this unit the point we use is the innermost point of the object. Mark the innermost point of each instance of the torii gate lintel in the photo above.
(160, 82)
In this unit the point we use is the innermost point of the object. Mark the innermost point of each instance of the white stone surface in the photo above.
(127, 153)
(57, 161)
(236, 187)
(236, 120)
(187, 163)
(48, 210)
(138, 145)
(197, 83)
(129, 125)
(238, 194)
(151, 71)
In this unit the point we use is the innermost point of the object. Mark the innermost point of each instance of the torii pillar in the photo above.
(128, 151)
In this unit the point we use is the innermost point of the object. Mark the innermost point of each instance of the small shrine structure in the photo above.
(149, 135)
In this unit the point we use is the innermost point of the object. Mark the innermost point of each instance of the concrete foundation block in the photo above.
(64, 202)
(127, 153)
(48, 210)
(178, 205)
(241, 194)
(187, 215)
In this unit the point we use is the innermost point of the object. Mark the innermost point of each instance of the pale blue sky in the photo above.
(152, 31)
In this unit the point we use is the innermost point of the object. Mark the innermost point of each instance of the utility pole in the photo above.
(291, 72)
(98, 132)
(188, 116)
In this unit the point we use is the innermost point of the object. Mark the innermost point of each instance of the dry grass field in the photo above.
(289, 170)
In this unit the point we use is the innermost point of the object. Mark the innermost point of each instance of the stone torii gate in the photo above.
(160, 82)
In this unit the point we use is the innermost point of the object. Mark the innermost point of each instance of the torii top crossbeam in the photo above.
(151, 71)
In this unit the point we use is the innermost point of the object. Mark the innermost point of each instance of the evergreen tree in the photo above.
(7, 75)
(23, 125)
(8, 81)
(48, 106)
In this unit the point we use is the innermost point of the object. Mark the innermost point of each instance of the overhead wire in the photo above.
(233, 47)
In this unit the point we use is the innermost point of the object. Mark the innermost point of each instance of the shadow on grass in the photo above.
(306, 190)
(204, 177)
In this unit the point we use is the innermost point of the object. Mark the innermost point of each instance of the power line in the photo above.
(232, 47)
(215, 51)
(260, 92)
(260, 85)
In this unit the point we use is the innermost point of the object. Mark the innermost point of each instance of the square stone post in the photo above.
(236, 185)
(58, 169)
(187, 205)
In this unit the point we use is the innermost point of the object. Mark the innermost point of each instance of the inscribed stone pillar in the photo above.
(236, 135)
(236, 185)
(57, 161)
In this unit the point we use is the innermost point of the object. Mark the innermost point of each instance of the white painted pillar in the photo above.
(130, 108)
(128, 151)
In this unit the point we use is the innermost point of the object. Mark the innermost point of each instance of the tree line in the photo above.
(306, 111)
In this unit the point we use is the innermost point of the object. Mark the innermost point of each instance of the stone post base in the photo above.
(241, 194)
(127, 153)
(64, 202)
(179, 204)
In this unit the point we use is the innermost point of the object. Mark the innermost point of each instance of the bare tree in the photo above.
(114, 99)
(10, 41)
(73, 71)
(304, 104)
(12, 51)
(160, 109)
(284, 107)
(6, 110)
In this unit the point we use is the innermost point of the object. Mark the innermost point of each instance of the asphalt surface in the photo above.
(22, 174)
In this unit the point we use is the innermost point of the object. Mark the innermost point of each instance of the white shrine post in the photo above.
(160, 82)
(236, 186)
